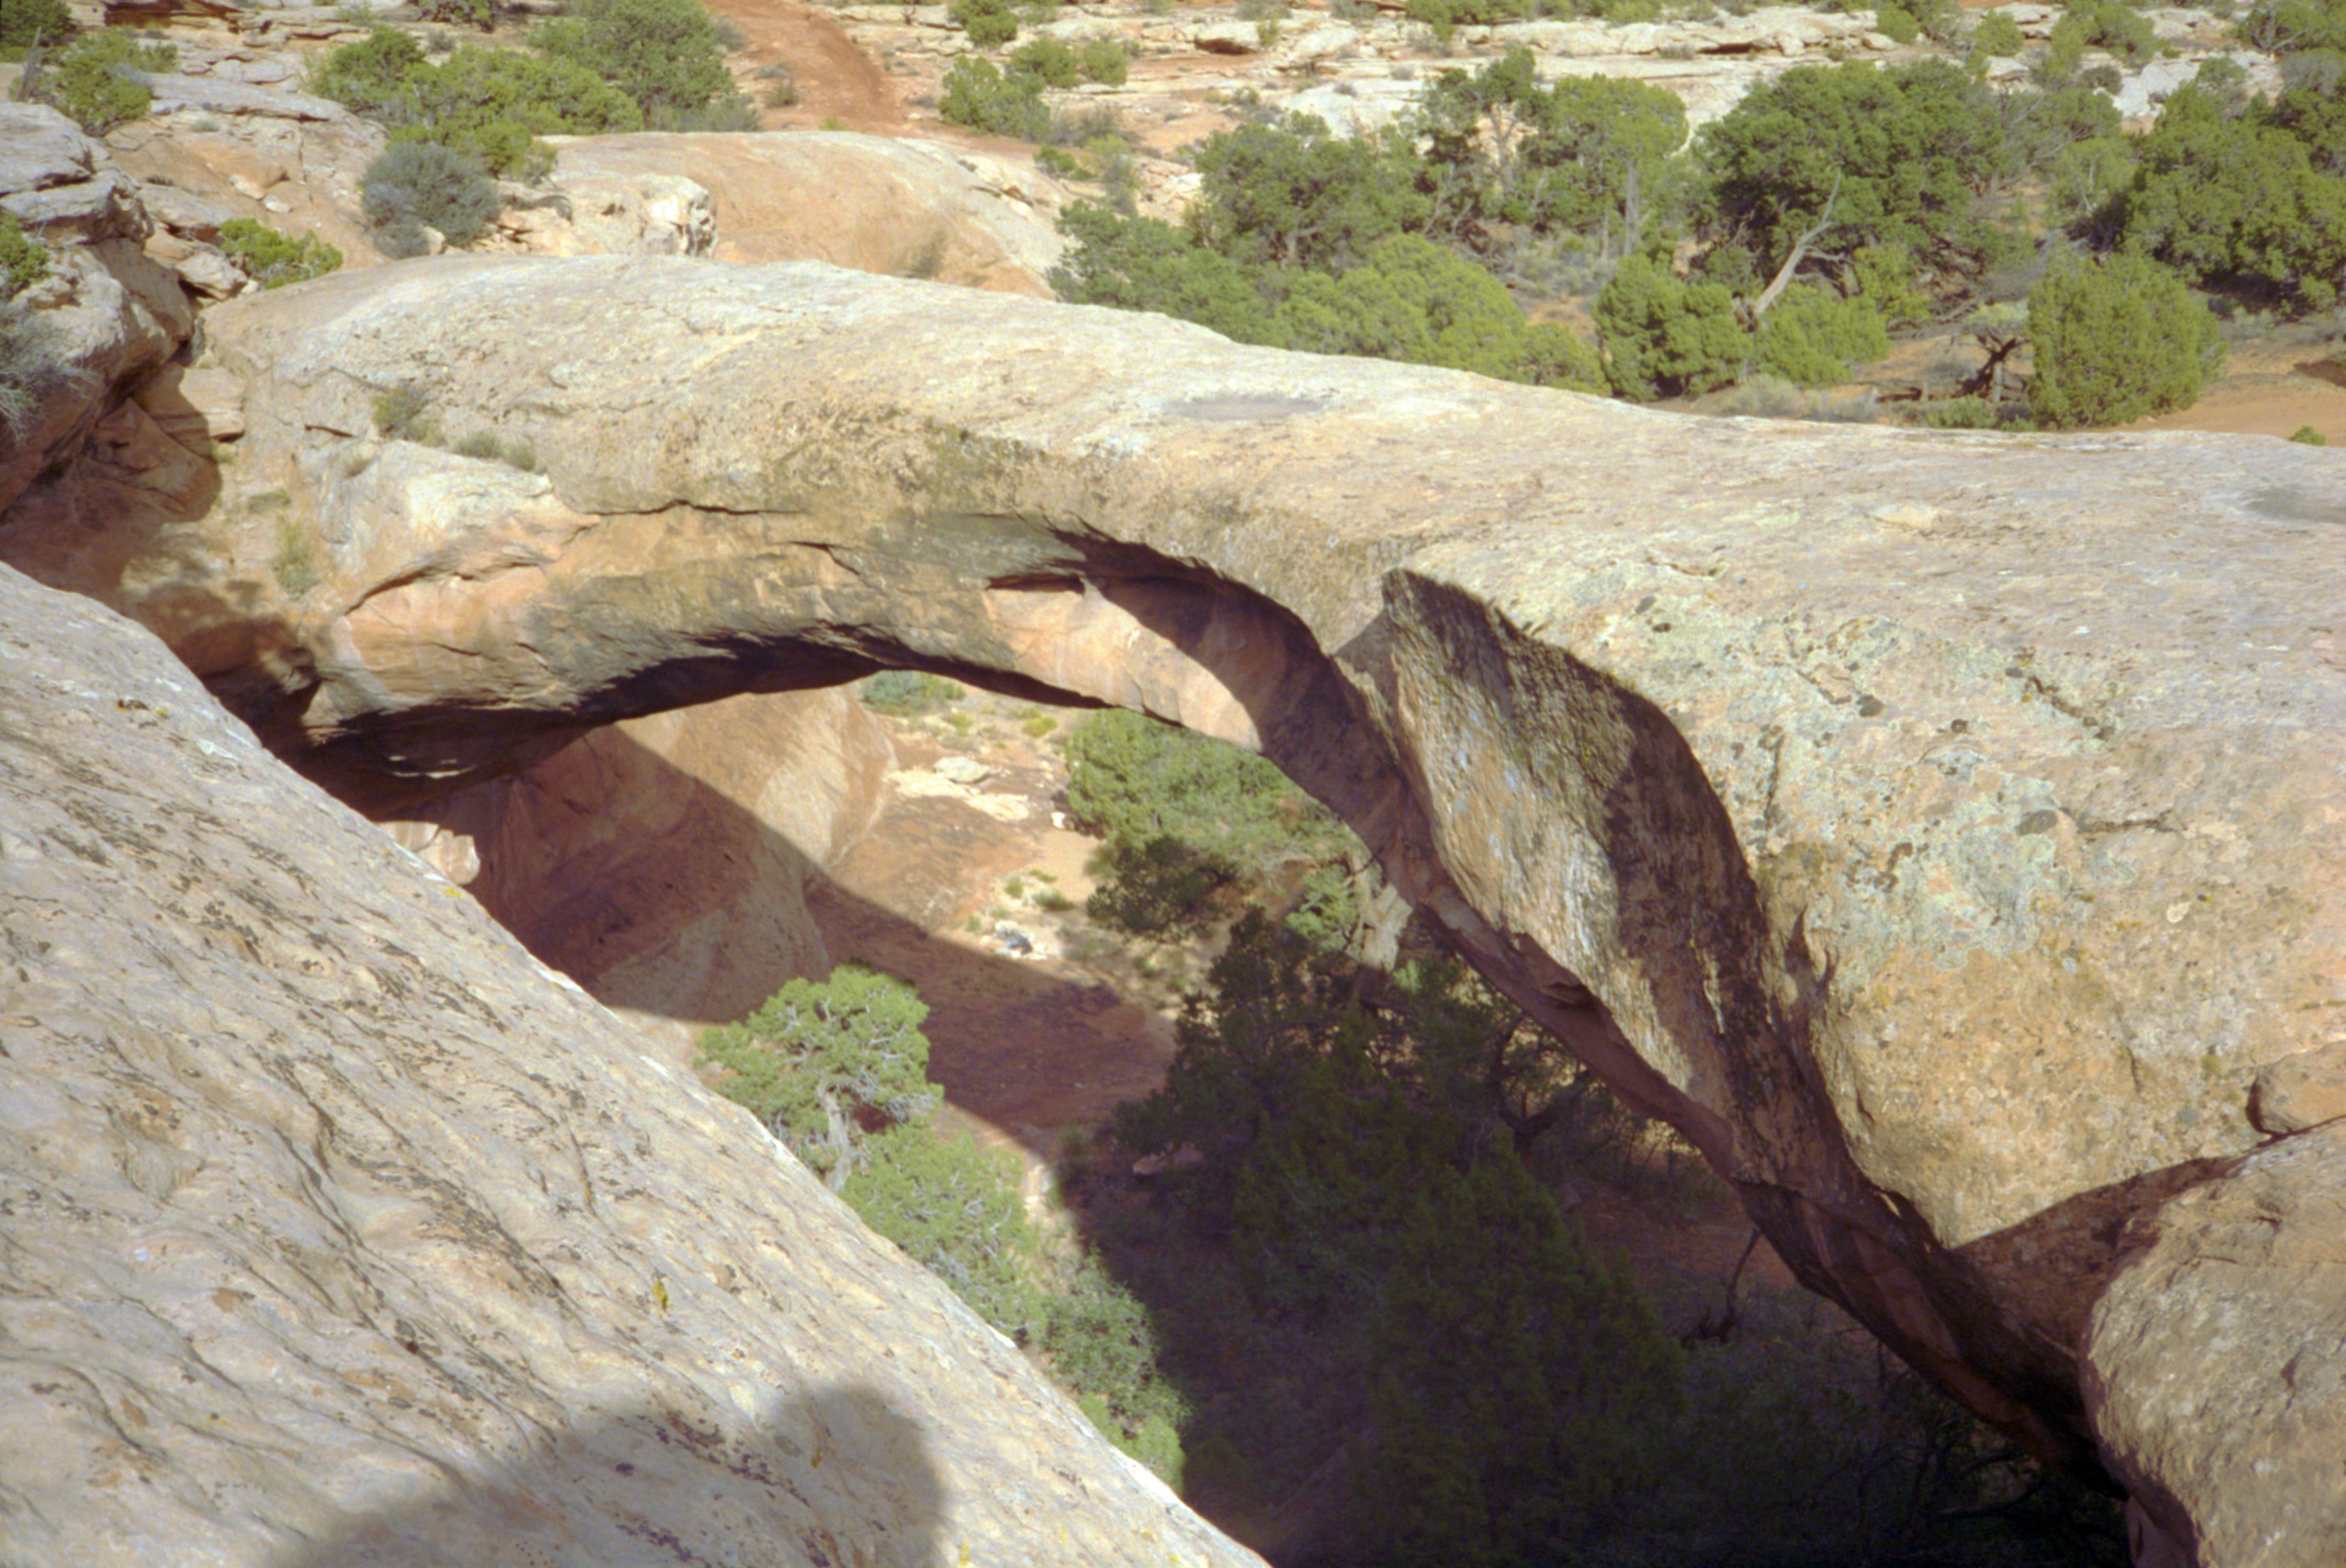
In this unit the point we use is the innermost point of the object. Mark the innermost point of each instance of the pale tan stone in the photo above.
(340, 1232)
(1941, 829)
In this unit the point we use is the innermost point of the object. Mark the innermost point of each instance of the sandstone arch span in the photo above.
(1941, 829)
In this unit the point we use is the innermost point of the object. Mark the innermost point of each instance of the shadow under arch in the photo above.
(837, 1475)
(1555, 867)
(697, 917)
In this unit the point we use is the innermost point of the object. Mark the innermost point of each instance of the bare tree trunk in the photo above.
(1783, 278)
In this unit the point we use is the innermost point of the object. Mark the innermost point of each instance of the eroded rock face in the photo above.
(340, 1232)
(663, 862)
(107, 315)
(1941, 829)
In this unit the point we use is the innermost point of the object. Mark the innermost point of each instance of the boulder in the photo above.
(906, 207)
(184, 212)
(1226, 37)
(105, 317)
(41, 149)
(341, 1232)
(219, 95)
(2216, 1366)
(1936, 828)
(604, 214)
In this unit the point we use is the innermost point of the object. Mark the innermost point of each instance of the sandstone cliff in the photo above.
(340, 1232)
(1940, 829)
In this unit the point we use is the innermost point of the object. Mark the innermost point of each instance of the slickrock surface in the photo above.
(908, 208)
(1942, 829)
(338, 1232)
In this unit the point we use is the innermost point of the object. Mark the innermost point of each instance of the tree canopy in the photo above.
(2116, 338)
(1880, 157)
(825, 1062)
(1585, 155)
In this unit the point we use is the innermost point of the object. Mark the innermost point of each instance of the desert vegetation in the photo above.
(457, 123)
(1329, 1274)
(1833, 212)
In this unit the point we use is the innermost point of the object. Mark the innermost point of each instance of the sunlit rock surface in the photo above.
(1942, 829)
(340, 1232)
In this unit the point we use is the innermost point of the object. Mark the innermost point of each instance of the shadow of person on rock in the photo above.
(836, 1476)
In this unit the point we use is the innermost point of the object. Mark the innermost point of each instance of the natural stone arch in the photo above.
(1762, 761)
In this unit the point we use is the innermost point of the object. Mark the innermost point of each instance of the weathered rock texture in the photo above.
(339, 1232)
(2216, 1364)
(1941, 829)
(907, 208)
(108, 313)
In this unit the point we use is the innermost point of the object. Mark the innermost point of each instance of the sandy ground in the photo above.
(2269, 389)
(839, 84)
(1025, 1044)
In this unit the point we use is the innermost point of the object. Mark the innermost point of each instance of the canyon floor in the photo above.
(1041, 1022)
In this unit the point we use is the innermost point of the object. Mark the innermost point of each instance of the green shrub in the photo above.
(1998, 36)
(1103, 60)
(954, 1209)
(23, 261)
(1048, 60)
(1421, 303)
(369, 77)
(1961, 414)
(2116, 339)
(667, 55)
(1812, 337)
(1577, 155)
(987, 21)
(1899, 154)
(1884, 275)
(32, 367)
(2306, 435)
(404, 413)
(2088, 182)
(295, 563)
(272, 260)
(416, 185)
(980, 95)
(1897, 23)
(90, 81)
(909, 693)
(827, 1063)
(480, 14)
(1101, 1345)
(2222, 199)
(492, 105)
(2112, 25)
(1665, 336)
(1185, 820)
(1158, 886)
(1131, 778)
(23, 21)
(2287, 28)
